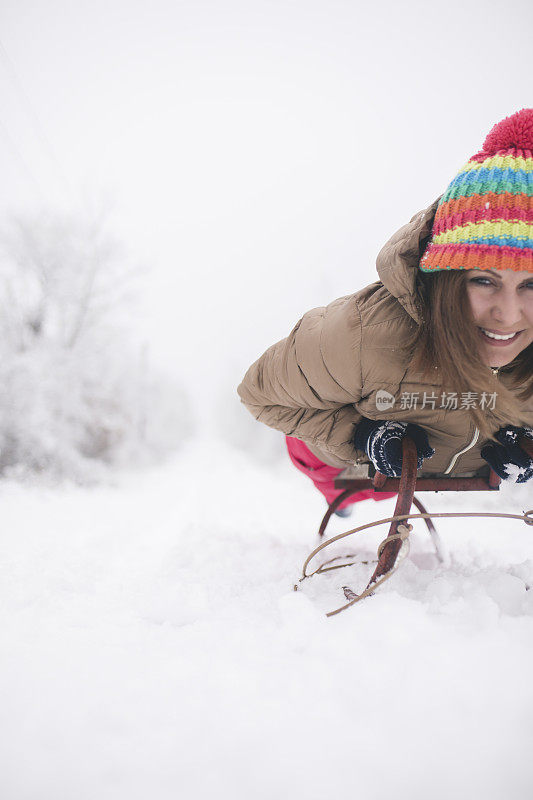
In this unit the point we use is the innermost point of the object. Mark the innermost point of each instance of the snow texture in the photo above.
(153, 646)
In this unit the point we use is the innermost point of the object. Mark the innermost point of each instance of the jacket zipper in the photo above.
(469, 446)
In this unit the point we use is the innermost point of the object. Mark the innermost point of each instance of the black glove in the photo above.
(507, 459)
(381, 440)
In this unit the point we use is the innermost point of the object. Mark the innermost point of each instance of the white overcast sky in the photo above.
(255, 154)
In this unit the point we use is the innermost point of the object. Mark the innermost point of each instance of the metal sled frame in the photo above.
(406, 486)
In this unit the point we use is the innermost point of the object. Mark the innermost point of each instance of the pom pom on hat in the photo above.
(515, 132)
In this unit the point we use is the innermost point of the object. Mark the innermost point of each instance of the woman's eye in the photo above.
(481, 281)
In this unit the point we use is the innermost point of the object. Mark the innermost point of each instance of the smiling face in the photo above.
(502, 306)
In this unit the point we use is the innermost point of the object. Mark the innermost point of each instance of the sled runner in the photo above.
(397, 538)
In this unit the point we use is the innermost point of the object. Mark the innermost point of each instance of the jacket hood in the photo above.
(397, 262)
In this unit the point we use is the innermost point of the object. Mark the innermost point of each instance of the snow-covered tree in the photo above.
(77, 391)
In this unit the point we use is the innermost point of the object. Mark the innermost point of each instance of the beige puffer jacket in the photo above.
(341, 363)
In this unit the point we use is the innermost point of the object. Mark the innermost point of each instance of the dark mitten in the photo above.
(381, 440)
(507, 459)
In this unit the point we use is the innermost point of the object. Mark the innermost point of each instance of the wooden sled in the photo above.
(406, 486)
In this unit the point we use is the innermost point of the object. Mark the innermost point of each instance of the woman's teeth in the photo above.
(500, 337)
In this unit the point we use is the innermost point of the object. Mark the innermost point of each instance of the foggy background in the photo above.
(250, 157)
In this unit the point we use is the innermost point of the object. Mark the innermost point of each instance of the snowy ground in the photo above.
(153, 646)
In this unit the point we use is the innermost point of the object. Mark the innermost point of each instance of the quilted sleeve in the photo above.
(306, 385)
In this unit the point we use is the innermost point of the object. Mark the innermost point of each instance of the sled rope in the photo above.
(403, 532)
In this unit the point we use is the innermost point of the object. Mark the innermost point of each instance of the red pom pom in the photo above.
(514, 131)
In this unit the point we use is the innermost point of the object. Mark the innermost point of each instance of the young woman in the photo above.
(440, 348)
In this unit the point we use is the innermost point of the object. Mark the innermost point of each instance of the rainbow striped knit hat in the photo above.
(484, 220)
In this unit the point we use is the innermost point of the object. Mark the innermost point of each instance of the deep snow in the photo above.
(153, 646)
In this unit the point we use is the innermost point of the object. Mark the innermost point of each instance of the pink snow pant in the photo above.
(323, 475)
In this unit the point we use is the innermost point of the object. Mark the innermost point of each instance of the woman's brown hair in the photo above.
(448, 340)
